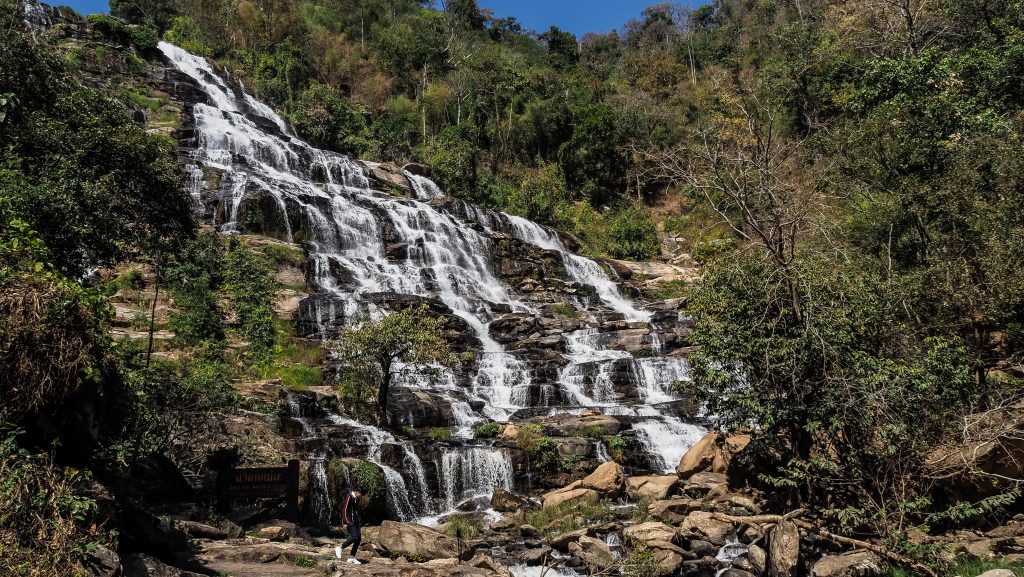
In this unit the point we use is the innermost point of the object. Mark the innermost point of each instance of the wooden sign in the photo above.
(248, 484)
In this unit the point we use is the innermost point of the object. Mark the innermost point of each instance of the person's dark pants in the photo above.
(354, 538)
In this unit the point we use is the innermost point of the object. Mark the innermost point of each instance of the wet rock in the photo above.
(608, 480)
(411, 540)
(654, 488)
(505, 501)
(784, 550)
(703, 525)
(562, 541)
(735, 572)
(701, 548)
(651, 531)
(529, 531)
(857, 564)
(533, 556)
(568, 425)
(669, 557)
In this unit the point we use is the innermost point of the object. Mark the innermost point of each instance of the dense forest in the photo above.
(848, 175)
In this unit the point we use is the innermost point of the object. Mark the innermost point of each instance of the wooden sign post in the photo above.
(249, 484)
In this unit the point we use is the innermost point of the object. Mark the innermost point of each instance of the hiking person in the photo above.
(351, 516)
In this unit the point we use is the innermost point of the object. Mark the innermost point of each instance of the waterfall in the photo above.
(363, 244)
(473, 471)
(319, 497)
(423, 187)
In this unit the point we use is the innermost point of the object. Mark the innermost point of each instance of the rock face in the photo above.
(411, 540)
(858, 564)
(608, 480)
(654, 488)
(784, 550)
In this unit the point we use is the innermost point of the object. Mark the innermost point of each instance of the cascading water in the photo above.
(472, 472)
(363, 243)
(319, 498)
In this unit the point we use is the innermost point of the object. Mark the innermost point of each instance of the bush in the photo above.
(142, 36)
(328, 120)
(633, 235)
(488, 430)
(44, 525)
(369, 477)
(440, 434)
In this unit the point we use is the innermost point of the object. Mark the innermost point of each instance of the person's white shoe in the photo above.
(337, 552)
(354, 561)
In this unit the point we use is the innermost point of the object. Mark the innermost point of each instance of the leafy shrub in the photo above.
(44, 525)
(185, 33)
(632, 234)
(327, 119)
(440, 434)
(303, 561)
(249, 282)
(142, 36)
(370, 478)
(488, 430)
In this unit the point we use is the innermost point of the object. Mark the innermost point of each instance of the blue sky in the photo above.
(577, 16)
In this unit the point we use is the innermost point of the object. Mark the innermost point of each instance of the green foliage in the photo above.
(463, 527)
(43, 522)
(641, 563)
(488, 430)
(95, 186)
(633, 235)
(324, 117)
(568, 516)
(564, 309)
(642, 512)
(303, 561)
(370, 478)
(406, 337)
(184, 32)
(142, 36)
(440, 434)
(249, 283)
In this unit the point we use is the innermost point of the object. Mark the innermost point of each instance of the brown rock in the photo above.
(651, 531)
(654, 488)
(857, 564)
(702, 525)
(758, 559)
(506, 502)
(412, 540)
(674, 510)
(201, 530)
(568, 494)
(593, 552)
(706, 484)
(608, 479)
(699, 457)
(784, 550)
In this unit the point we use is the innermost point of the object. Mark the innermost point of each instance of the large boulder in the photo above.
(651, 531)
(412, 540)
(567, 494)
(593, 552)
(758, 559)
(668, 557)
(706, 484)
(674, 510)
(654, 488)
(700, 456)
(784, 550)
(702, 525)
(857, 564)
(608, 479)
(507, 502)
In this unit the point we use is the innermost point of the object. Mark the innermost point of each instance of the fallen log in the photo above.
(759, 521)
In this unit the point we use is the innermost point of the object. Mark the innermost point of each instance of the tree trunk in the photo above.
(382, 396)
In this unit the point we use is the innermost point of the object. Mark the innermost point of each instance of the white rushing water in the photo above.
(362, 243)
